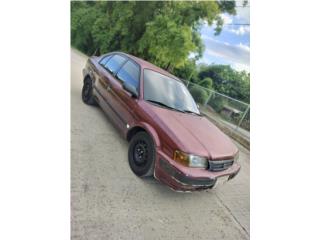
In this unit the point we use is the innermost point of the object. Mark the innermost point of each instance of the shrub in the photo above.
(199, 94)
(217, 103)
(206, 82)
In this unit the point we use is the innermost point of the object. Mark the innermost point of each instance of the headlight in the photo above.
(190, 160)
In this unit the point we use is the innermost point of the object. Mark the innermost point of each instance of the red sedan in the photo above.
(169, 138)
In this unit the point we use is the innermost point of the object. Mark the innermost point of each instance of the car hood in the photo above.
(194, 134)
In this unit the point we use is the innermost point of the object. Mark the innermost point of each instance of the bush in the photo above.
(206, 82)
(217, 103)
(199, 94)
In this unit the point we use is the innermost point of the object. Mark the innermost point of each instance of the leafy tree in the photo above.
(164, 33)
(82, 18)
(228, 81)
(170, 48)
(188, 71)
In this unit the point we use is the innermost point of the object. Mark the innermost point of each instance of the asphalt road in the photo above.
(109, 202)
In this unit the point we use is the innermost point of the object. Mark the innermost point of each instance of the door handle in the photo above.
(104, 84)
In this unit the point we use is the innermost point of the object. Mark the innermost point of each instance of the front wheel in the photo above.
(87, 93)
(141, 154)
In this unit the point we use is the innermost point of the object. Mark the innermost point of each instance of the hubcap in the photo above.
(140, 153)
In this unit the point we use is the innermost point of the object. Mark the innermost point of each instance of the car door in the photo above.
(106, 79)
(121, 99)
(99, 71)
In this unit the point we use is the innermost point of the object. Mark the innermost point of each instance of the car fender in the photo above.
(87, 72)
(151, 131)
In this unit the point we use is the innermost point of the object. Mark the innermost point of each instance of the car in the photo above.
(168, 136)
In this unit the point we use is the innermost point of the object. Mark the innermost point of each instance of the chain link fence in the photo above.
(231, 112)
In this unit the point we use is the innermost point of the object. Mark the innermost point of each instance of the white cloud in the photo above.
(238, 56)
(239, 30)
(244, 47)
(243, 15)
(227, 19)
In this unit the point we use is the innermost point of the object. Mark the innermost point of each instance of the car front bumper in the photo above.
(182, 178)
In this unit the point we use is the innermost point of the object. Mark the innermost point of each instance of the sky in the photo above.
(232, 45)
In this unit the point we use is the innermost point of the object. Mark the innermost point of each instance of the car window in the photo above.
(105, 60)
(115, 63)
(130, 73)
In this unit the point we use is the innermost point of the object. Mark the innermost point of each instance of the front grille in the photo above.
(216, 166)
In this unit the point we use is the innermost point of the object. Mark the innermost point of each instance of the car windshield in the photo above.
(168, 92)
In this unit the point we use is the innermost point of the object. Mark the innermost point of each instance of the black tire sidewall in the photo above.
(146, 170)
(90, 100)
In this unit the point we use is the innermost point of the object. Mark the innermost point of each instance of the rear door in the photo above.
(109, 67)
(120, 98)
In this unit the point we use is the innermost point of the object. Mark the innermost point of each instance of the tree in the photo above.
(82, 18)
(188, 71)
(171, 47)
(228, 81)
(164, 33)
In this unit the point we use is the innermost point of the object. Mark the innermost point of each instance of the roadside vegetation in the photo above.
(165, 33)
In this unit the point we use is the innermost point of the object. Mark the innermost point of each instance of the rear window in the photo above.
(130, 73)
(105, 60)
(115, 63)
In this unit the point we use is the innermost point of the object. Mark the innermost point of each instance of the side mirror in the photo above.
(131, 89)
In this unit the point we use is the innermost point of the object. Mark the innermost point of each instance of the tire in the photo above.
(141, 155)
(87, 93)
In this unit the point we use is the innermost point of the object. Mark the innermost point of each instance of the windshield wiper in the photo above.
(188, 111)
(163, 104)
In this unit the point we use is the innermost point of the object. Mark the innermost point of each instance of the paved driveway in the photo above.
(109, 202)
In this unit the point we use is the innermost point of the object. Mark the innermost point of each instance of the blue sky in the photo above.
(232, 45)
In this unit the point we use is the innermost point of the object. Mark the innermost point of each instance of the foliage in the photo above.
(164, 33)
(206, 82)
(82, 19)
(217, 103)
(199, 94)
(228, 81)
(170, 47)
(188, 71)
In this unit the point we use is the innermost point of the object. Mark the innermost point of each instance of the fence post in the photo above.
(210, 95)
(243, 116)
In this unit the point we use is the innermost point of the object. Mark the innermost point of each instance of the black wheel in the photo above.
(141, 154)
(87, 96)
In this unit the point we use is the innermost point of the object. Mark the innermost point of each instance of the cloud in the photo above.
(243, 15)
(227, 19)
(238, 55)
(244, 47)
(239, 30)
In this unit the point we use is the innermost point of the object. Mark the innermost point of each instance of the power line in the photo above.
(238, 24)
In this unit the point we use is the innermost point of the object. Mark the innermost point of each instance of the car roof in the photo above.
(147, 65)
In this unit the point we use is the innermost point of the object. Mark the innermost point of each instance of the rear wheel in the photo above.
(87, 93)
(141, 154)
